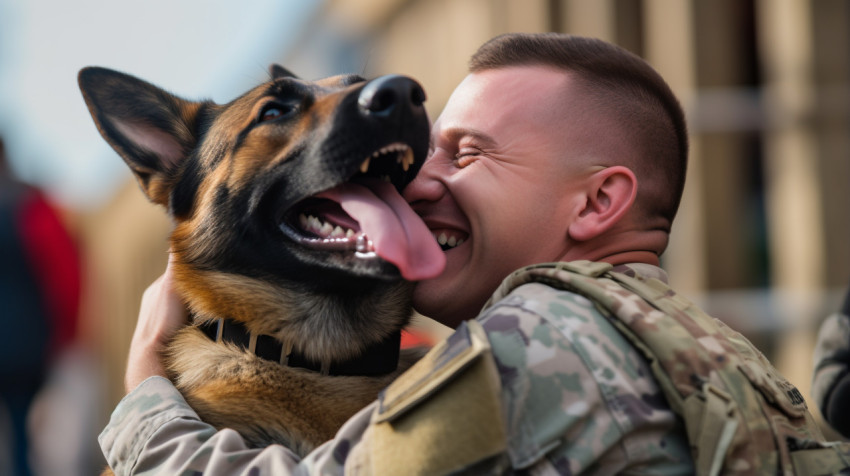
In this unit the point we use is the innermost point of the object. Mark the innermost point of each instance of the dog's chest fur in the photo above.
(230, 388)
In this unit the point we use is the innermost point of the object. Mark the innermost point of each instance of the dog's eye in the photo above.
(272, 111)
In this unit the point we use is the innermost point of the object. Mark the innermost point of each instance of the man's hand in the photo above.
(162, 313)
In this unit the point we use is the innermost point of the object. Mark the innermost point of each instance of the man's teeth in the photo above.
(450, 241)
(323, 228)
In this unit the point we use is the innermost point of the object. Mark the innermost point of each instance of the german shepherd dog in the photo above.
(292, 248)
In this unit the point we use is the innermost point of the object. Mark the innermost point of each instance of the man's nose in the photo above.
(426, 186)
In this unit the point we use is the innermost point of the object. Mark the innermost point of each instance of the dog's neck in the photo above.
(378, 359)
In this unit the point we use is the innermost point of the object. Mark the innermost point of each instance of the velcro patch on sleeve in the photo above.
(445, 413)
(439, 366)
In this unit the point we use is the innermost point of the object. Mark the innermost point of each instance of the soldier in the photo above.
(554, 149)
(831, 381)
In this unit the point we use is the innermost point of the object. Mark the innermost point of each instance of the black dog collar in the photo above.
(378, 359)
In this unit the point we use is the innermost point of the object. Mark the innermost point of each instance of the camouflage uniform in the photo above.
(831, 381)
(551, 388)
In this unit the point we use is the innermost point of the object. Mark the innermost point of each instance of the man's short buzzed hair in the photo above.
(621, 85)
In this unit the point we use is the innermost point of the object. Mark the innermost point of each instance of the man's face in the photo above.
(499, 188)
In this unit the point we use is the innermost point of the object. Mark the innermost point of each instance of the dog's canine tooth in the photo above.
(407, 160)
(364, 167)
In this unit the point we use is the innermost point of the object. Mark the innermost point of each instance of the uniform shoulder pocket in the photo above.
(436, 369)
(443, 415)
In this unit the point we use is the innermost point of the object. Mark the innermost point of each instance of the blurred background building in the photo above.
(763, 236)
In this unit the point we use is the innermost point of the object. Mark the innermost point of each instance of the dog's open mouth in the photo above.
(367, 216)
(320, 222)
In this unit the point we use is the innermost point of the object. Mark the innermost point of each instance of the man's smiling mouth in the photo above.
(449, 239)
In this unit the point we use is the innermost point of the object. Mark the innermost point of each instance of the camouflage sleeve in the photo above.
(154, 431)
(831, 379)
(576, 396)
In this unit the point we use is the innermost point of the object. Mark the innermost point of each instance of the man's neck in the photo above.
(626, 257)
(622, 247)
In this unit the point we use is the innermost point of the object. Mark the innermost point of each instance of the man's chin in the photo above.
(423, 302)
(429, 301)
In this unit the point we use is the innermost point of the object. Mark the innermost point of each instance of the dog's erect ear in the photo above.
(278, 71)
(151, 129)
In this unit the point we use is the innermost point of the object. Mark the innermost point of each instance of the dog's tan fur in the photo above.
(212, 169)
(266, 402)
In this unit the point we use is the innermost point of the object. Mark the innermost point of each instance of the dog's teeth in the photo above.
(365, 165)
(452, 241)
(302, 219)
(442, 239)
(326, 229)
(349, 233)
(407, 160)
(314, 223)
(337, 232)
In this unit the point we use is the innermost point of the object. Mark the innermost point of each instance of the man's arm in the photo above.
(153, 429)
(161, 315)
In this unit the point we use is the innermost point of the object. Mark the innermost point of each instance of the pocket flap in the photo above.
(775, 389)
(437, 368)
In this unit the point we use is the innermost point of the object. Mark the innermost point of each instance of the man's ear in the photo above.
(151, 129)
(610, 194)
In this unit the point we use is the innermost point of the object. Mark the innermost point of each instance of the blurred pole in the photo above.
(590, 18)
(669, 47)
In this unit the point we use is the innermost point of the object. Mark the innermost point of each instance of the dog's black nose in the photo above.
(387, 94)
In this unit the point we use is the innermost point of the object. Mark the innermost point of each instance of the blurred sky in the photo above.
(194, 48)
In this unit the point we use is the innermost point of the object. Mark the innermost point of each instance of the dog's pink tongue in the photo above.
(396, 231)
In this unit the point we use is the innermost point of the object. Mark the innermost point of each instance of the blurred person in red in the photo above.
(39, 295)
